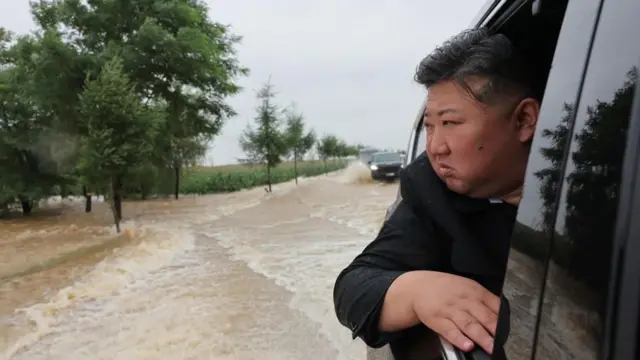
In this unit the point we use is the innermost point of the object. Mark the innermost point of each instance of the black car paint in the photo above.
(386, 171)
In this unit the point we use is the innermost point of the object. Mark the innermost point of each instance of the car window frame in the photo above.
(416, 133)
(488, 12)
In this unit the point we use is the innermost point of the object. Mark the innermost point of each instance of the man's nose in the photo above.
(437, 144)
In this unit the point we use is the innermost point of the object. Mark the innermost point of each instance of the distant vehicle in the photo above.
(386, 165)
(364, 155)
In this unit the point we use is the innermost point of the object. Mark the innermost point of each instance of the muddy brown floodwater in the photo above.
(246, 275)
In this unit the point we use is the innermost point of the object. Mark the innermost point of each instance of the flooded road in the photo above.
(237, 276)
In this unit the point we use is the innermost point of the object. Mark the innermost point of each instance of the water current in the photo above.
(246, 275)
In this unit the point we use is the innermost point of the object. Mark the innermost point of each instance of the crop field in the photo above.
(227, 178)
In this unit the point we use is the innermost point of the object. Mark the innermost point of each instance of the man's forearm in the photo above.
(358, 296)
(397, 310)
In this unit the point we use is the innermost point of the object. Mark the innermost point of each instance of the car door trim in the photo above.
(448, 352)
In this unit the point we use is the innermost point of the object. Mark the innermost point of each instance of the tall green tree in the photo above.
(327, 147)
(174, 54)
(118, 130)
(298, 140)
(181, 67)
(36, 157)
(265, 143)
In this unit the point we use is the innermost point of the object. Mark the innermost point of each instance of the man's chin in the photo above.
(457, 186)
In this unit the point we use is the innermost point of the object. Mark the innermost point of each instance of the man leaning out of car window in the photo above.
(439, 260)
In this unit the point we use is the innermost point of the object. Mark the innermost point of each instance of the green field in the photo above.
(227, 178)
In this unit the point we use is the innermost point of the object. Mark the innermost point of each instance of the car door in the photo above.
(533, 231)
(581, 315)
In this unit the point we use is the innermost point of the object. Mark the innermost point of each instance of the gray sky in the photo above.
(347, 64)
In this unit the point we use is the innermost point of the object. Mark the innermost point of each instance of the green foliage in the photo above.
(330, 146)
(111, 88)
(266, 143)
(327, 146)
(118, 128)
(207, 182)
(298, 141)
(122, 95)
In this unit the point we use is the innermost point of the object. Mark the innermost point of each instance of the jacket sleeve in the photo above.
(404, 243)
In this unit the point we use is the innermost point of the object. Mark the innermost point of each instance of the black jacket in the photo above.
(432, 228)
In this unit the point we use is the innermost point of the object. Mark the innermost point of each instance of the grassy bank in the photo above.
(227, 178)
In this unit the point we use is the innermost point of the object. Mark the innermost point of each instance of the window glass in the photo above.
(536, 215)
(387, 157)
(572, 321)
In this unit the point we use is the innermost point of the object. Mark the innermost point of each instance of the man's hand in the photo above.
(457, 308)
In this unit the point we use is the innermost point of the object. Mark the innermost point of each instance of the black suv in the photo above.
(572, 284)
(385, 165)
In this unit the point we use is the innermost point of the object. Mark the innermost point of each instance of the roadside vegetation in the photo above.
(278, 135)
(124, 98)
(207, 180)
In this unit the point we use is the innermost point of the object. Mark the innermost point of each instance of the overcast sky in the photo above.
(347, 64)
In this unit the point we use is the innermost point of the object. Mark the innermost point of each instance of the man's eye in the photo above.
(448, 123)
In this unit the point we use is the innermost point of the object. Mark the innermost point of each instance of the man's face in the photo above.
(478, 150)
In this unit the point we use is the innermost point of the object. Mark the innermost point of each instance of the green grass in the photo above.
(228, 178)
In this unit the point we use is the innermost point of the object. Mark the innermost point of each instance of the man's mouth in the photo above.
(444, 170)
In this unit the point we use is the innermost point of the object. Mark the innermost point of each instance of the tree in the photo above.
(327, 147)
(174, 55)
(266, 143)
(35, 157)
(181, 67)
(551, 176)
(117, 127)
(298, 141)
(342, 149)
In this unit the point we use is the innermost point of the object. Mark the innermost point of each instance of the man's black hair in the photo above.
(482, 54)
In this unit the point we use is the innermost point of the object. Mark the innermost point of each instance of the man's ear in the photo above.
(526, 116)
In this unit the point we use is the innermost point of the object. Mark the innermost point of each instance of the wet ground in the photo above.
(239, 276)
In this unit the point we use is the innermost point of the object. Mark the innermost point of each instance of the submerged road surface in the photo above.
(237, 276)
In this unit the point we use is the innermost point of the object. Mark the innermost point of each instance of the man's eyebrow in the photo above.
(441, 112)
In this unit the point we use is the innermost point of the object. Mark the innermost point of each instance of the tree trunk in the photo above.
(117, 197)
(87, 199)
(325, 165)
(269, 176)
(114, 201)
(177, 181)
(295, 166)
(26, 205)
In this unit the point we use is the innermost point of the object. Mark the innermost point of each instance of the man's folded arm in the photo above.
(401, 246)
